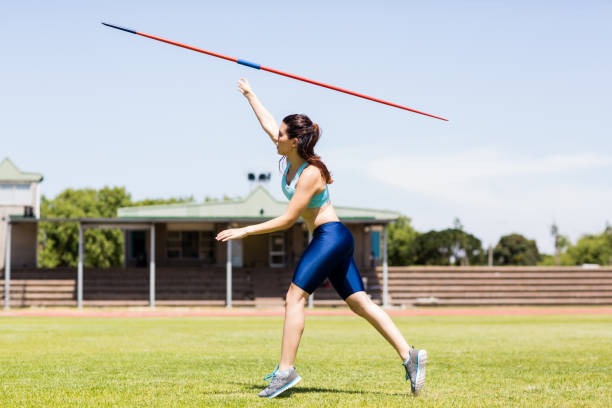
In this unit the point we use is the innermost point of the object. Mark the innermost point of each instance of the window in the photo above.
(173, 244)
(137, 246)
(207, 247)
(17, 194)
(375, 243)
(277, 250)
(191, 245)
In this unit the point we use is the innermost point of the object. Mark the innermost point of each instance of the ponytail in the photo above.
(308, 134)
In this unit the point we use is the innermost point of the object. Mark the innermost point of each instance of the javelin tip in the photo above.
(257, 66)
(120, 28)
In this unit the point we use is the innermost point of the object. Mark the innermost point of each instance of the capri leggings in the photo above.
(329, 255)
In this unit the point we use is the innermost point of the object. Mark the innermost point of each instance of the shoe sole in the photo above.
(420, 375)
(286, 387)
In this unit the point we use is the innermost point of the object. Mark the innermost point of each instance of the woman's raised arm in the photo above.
(267, 121)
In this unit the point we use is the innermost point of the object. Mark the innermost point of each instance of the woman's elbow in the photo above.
(289, 221)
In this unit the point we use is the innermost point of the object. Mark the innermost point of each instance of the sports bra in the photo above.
(318, 200)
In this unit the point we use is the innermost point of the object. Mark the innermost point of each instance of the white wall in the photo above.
(13, 197)
(5, 211)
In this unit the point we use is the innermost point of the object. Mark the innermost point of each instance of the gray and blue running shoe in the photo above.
(415, 369)
(279, 383)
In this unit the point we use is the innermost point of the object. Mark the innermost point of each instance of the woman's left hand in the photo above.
(232, 233)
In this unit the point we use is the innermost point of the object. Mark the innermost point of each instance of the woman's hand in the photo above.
(232, 233)
(244, 87)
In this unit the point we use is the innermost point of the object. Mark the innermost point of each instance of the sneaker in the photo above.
(280, 382)
(415, 369)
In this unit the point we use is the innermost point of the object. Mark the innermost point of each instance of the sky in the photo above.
(526, 87)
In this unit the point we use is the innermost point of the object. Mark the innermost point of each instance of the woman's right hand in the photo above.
(244, 87)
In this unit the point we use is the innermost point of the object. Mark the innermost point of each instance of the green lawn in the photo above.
(482, 361)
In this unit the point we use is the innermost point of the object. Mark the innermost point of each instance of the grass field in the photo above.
(477, 361)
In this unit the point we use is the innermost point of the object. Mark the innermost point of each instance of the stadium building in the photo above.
(171, 256)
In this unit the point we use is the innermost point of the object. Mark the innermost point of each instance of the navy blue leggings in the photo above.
(329, 255)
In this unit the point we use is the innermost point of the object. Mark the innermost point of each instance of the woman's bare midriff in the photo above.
(313, 217)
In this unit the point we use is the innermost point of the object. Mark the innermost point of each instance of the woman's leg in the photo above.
(294, 325)
(362, 305)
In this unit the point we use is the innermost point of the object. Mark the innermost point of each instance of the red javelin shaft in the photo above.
(274, 71)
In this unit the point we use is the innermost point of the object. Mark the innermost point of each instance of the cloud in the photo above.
(496, 194)
(486, 178)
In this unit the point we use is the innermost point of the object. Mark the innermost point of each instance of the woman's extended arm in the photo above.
(310, 181)
(267, 121)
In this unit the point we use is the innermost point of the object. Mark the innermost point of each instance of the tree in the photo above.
(451, 246)
(547, 260)
(593, 249)
(58, 242)
(608, 235)
(401, 236)
(161, 201)
(225, 197)
(515, 249)
(561, 242)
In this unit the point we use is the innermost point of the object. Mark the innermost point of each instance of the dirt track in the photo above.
(242, 312)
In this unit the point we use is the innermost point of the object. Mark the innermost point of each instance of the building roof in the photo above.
(259, 204)
(10, 172)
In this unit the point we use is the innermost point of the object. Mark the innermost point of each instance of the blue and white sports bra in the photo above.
(318, 200)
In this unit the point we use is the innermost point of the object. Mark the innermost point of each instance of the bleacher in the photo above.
(408, 286)
(487, 286)
(128, 287)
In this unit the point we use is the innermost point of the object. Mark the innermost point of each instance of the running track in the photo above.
(243, 312)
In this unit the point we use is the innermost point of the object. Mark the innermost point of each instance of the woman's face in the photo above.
(284, 145)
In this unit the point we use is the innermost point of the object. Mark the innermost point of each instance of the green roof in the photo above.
(10, 172)
(258, 204)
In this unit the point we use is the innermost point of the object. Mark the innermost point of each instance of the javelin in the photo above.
(274, 71)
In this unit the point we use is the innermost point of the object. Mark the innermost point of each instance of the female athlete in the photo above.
(329, 255)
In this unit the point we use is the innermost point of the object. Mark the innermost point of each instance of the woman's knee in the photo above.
(359, 303)
(357, 309)
(295, 296)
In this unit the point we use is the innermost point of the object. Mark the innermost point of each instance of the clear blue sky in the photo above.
(526, 86)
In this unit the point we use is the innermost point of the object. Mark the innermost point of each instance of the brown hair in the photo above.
(308, 134)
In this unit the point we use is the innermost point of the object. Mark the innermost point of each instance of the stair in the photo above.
(470, 286)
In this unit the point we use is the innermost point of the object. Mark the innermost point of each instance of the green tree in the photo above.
(58, 242)
(401, 237)
(608, 235)
(590, 248)
(225, 197)
(515, 249)
(547, 260)
(178, 200)
(451, 246)
(161, 201)
(594, 249)
(561, 243)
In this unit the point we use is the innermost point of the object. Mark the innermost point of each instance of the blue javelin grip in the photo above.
(249, 64)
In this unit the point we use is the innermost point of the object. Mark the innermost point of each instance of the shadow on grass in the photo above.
(299, 390)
